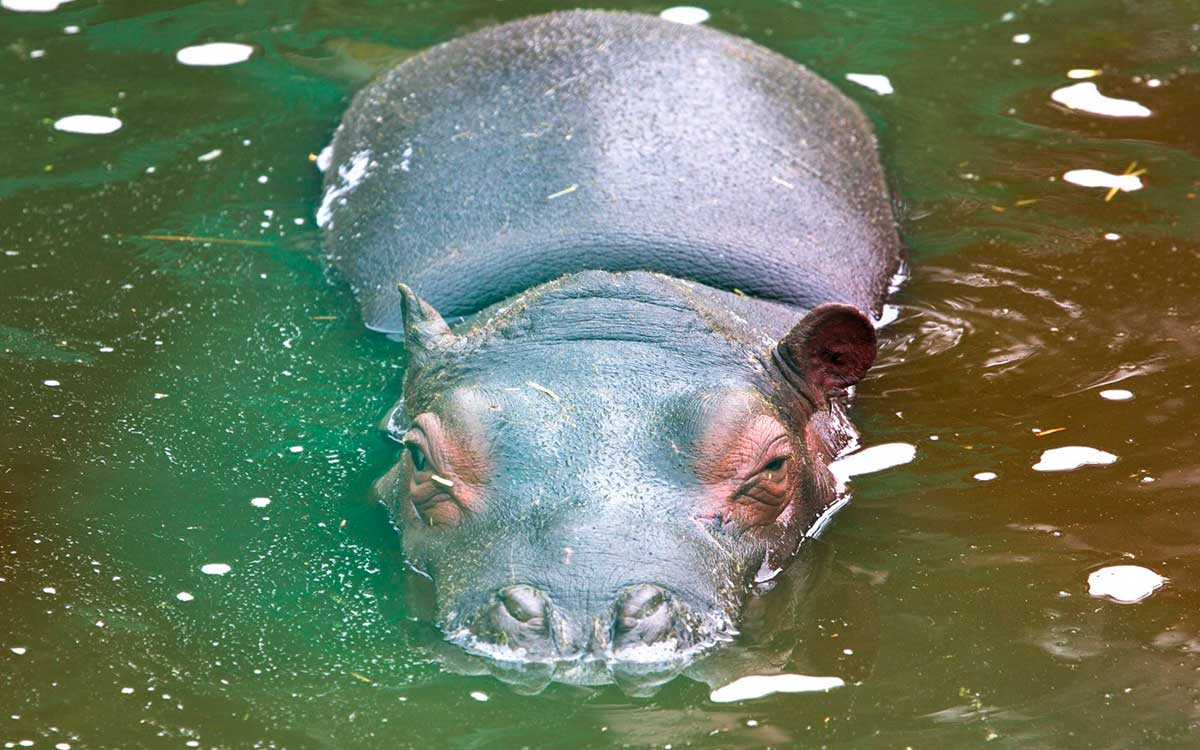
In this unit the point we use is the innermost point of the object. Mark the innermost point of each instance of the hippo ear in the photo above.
(828, 351)
(424, 329)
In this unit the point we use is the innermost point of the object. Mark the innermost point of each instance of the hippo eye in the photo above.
(417, 455)
(774, 464)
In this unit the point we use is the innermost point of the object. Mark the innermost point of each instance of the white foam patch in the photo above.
(685, 14)
(325, 158)
(215, 53)
(88, 124)
(880, 84)
(1072, 457)
(215, 569)
(756, 686)
(1126, 183)
(1127, 584)
(1086, 97)
(32, 6)
(349, 177)
(870, 460)
(1116, 394)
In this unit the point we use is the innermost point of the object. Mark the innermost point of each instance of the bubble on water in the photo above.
(215, 569)
(1126, 183)
(1116, 394)
(985, 476)
(880, 84)
(1127, 584)
(32, 6)
(480, 696)
(214, 53)
(756, 686)
(184, 596)
(88, 124)
(1086, 97)
(685, 14)
(260, 502)
(1072, 457)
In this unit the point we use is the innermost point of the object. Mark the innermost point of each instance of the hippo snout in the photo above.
(640, 639)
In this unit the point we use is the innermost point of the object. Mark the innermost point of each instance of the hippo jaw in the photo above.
(594, 474)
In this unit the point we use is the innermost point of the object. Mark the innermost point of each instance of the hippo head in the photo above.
(595, 475)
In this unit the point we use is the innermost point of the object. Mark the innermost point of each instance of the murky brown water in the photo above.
(964, 603)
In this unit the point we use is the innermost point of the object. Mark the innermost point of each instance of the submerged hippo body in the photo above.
(655, 245)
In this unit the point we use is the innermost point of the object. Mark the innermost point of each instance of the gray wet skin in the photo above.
(656, 246)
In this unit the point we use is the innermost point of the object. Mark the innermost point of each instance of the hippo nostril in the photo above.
(525, 603)
(642, 617)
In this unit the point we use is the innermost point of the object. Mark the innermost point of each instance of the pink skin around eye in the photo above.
(733, 454)
(455, 470)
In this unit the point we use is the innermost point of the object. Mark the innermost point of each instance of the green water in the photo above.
(194, 376)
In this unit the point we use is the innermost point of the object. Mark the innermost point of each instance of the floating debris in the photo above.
(214, 53)
(870, 460)
(88, 124)
(1116, 394)
(1086, 97)
(190, 238)
(209, 156)
(685, 14)
(759, 686)
(877, 83)
(1072, 457)
(1126, 584)
(480, 696)
(1126, 183)
(32, 6)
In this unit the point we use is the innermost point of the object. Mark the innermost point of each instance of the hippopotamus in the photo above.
(636, 268)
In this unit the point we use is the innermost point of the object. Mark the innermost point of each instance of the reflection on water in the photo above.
(187, 554)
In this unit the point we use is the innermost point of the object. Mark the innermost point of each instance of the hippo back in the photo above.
(592, 140)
